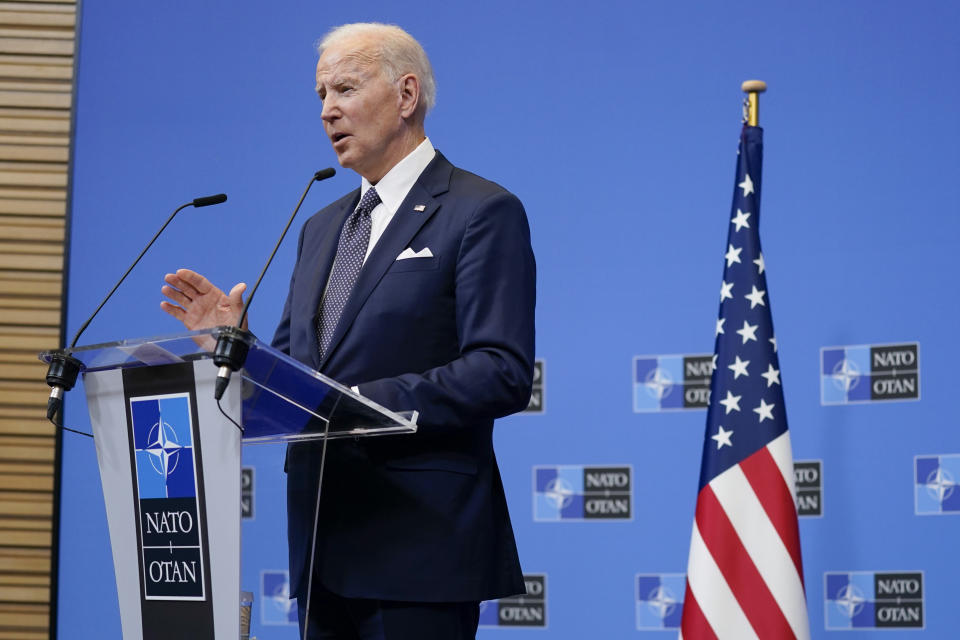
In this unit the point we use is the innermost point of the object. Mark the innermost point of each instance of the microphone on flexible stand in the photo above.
(233, 343)
(64, 368)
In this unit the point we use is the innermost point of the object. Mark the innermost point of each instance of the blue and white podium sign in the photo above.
(158, 432)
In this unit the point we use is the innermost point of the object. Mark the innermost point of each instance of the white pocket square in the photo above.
(410, 253)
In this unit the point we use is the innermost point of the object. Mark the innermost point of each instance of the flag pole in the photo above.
(753, 89)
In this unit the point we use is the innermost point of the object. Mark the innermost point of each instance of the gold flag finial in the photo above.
(751, 106)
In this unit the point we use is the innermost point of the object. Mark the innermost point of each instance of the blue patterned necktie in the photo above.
(351, 249)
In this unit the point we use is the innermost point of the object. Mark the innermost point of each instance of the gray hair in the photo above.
(396, 51)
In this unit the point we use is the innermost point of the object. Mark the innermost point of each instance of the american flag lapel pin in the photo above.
(420, 207)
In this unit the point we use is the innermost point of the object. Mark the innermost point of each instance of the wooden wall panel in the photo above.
(36, 96)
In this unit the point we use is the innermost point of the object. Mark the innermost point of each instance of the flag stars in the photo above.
(739, 368)
(746, 185)
(732, 255)
(748, 332)
(760, 264)
(731, 403)
(741, 220)
(772, 376)
(773, 341)
(726, 290)
(764, 410)
(756, 297)
(720, 322)
(723, 437)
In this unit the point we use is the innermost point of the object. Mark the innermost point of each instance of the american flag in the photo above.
(744, 575)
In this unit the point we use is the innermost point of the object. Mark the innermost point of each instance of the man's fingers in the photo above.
(236, 294)
(197, 303)
(236, 298)
(182, 285)
(195, 280)
(174, 310)
(176, 295)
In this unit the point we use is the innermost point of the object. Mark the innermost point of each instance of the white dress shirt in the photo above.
(394, 187)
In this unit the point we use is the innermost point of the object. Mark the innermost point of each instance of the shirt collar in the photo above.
(396, 184)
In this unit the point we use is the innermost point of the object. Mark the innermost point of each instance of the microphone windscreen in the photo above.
(323, 174)
(206, 201)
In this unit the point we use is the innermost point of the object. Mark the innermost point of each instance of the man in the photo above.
(418, 290)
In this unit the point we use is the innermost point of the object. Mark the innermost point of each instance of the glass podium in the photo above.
(283, 399)
(170, 465)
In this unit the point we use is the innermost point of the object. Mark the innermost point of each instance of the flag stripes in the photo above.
(764, 546)
(781, 453)
(777, 501)
(733, 559)
(694, 620)
(713, 597)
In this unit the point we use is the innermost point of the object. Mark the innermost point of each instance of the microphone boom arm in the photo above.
(64, 368)
(233, 343)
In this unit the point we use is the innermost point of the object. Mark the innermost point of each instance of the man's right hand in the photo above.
(198, 304)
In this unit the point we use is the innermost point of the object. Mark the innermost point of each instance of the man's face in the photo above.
(361, 109)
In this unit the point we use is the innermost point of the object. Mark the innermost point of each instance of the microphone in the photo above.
(233, 343)
(64, 368)
(206, 201)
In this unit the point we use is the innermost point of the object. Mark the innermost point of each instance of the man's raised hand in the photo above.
(198, 304)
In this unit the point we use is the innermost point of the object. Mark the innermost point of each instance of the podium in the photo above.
(169, 457)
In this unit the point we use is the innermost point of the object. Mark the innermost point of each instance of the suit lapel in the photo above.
(396, 237)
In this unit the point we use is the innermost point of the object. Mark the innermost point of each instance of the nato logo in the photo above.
(163, 443)
(659, 600)
(869, 373)
(528, 610)
(808, 479)
(537, 394)
(671, 383)
(276, 607)
(246, 493)
(577, 492)
(935, 484)
(169, 534)
(873, 600)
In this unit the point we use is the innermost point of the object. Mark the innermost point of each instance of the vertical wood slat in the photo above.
(36, 98)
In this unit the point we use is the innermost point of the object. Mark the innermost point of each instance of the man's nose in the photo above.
(329, 111)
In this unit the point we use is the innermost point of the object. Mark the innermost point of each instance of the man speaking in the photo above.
(417, 289)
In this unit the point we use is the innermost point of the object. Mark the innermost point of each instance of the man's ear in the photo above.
(409, 95)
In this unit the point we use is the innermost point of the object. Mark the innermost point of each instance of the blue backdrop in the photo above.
(616, 123)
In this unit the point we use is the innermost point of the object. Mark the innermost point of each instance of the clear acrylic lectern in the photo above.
(169, 460)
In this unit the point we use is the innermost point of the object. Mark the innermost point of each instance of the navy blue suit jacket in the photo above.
(417, 517)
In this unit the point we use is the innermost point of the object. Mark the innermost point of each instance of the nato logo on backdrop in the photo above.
(671, 382)
(276, 607)
(873, 600)
(808, 478)
(935, 481)
(537, 402)
(528, 610)
(869, 373)
(659, 600)
(578, 492)
(171, 544)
